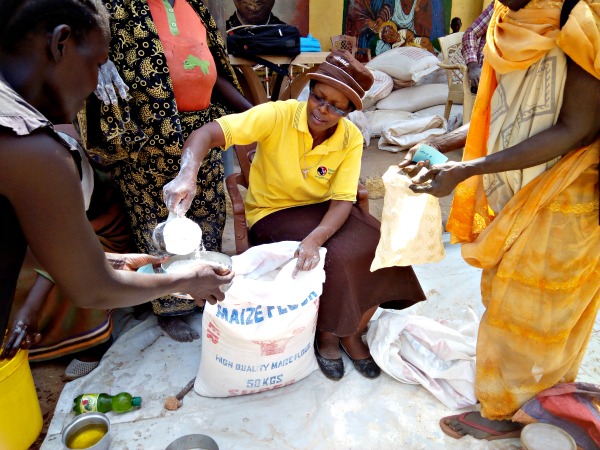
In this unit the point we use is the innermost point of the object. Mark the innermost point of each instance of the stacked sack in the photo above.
(407, 100)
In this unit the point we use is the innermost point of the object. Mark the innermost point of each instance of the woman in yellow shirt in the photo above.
(302, 187)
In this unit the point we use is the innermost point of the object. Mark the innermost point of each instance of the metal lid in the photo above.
(542, 436)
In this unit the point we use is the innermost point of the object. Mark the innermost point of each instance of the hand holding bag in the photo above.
(411, 225)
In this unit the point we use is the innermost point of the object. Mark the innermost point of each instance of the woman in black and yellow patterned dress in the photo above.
(170, 54)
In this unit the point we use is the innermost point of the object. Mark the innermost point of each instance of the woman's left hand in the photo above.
(308, 257)
(133, 261)
(439, 180)
(24, 334)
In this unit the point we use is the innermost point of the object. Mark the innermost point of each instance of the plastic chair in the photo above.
(344, 42)
(245, 154)
(459, 85)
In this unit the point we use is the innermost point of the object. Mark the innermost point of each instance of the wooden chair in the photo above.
(344, 42)
(245, 154)
(459, 85)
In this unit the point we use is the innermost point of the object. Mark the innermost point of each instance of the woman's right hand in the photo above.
(308, 257)
(474, 75)
(24, 334)
(411, 168)
(205, 281)
(179, 194)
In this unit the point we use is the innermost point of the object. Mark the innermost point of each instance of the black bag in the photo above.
(251, 41)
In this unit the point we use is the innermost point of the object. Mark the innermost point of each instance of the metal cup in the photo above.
(75, 430)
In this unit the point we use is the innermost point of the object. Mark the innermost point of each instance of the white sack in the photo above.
(438, 355)
(382, 86)
(303, 95)
(405, 63)
(359, 119)
(415, 98)
(411, 225)
(403, 134)
(438, 76)
(261, 336)
(381, 119)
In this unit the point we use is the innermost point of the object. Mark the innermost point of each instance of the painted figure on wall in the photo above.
(423, 18)
(267, 12)
(253, 12)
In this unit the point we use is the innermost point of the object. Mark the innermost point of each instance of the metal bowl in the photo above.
(85, 420)
(178, 264)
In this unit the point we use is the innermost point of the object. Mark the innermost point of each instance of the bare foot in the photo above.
(355, 347)
(473, 424)
(328, 345)
(177, 328)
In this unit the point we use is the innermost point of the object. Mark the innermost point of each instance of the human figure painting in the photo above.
(423, 19)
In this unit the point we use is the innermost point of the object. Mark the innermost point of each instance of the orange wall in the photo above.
(326, 20)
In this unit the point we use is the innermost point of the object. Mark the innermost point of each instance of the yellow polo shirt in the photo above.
(284, 150)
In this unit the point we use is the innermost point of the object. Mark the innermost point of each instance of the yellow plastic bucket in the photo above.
(20, 414)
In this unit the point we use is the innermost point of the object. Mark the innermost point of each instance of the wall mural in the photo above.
(380, 25)
(260, 12)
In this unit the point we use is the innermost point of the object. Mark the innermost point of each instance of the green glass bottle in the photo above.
(121, 402)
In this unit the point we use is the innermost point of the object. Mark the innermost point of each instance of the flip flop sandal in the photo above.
(493, 434)
(77, 368)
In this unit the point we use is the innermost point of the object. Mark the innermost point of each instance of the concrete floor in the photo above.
(49, 376)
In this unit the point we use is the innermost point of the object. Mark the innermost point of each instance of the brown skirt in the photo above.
(350, 288)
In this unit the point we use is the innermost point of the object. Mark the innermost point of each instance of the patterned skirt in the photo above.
(141, 184)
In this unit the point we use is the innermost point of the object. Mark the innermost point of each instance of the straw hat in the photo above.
(341, 71)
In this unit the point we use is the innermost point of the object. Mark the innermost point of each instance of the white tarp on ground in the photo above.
(315, 413)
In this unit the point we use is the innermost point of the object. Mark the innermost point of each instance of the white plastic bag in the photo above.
(261, 336)
(419, 350)
(411, 225)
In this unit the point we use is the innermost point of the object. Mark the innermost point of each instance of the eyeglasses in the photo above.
(322, 102)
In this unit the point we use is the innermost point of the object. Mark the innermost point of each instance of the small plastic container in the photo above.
(177, 235)
(542, 436)
(90, 431)
(426, 152)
